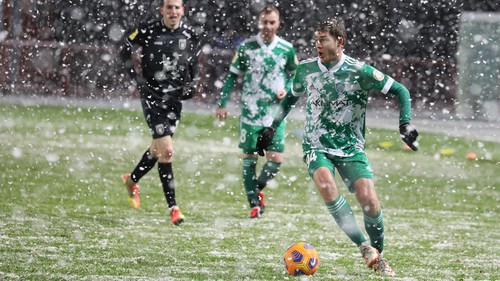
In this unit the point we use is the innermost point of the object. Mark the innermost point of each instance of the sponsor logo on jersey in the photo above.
(333, 104)
(317, 103)
(182, 44)
(339, 103)
(159, 129)
(377, 75)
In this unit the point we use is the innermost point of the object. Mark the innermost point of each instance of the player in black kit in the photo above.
(169, 62)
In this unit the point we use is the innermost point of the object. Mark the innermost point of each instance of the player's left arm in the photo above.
(374, 79)
(404, 101)
(408, 133)
(193, 77)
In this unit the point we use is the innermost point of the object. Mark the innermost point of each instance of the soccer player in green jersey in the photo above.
(267, 63)
(336, 87)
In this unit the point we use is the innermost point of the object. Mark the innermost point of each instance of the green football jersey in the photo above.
(265, 70)
(336, 103)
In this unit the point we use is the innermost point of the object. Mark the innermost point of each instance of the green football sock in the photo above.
(343, 215)
(267, 173)
(250, 181)
(375, 229)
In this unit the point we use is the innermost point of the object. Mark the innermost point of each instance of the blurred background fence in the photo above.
(70, 48)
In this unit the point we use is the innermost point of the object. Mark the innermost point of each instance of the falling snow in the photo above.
(65, 53)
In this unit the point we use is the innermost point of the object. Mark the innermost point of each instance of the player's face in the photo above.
(172, 12)
(268, 25)
(329, 48)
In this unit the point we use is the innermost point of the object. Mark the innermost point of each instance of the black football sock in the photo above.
(167, 181)
(145, 165)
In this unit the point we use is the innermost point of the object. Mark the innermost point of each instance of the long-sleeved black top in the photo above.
(169, 59)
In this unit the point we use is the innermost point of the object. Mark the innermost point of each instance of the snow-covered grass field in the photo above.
(64, 213)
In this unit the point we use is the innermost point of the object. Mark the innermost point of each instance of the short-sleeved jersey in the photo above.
(336, 103)
(265, 69)
(169, 57)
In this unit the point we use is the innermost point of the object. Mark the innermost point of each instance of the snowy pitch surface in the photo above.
(64, 213)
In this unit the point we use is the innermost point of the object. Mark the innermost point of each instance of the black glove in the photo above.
(409, 135)
(265, 139)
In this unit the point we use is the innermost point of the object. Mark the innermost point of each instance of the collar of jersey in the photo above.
(335, 68)
(163, 24)
(263, 45)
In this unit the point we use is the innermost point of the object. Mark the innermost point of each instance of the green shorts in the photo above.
(349, 168)
(249, 135)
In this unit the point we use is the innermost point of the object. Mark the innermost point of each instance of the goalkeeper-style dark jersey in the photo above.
(169, 58)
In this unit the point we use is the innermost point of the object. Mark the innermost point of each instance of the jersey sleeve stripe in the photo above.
(308, 60)
(294, 93)
(387, 85)
(234, 70)
(285, 43)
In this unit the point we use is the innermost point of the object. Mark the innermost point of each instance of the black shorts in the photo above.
(162, 116)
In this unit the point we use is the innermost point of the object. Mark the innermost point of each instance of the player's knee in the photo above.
(323, 178)
(167, 155)
(325, 185)
(163, 155)
(371, 205)
(275, 156)
(369, 202)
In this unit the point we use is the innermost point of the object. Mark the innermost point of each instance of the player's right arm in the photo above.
(291, 68)
(284, 108)
(292, 96)
(266, 136)
(237, 67)
(132, 42)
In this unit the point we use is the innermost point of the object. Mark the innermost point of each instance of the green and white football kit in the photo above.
(337, 95)
(267, 69)
(334, 133)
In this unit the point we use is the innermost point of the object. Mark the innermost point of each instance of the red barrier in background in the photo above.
(52, 68)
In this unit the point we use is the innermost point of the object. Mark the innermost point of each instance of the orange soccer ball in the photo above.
(301, 259)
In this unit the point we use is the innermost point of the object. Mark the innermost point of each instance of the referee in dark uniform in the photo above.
(169, 60)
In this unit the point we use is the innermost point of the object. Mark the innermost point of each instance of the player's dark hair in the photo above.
(269, 9)
(333, 26)
(162, 2)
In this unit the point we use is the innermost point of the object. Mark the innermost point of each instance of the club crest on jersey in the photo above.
(340, 88)
(182, 44)
(159, 129)
(378, 75)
